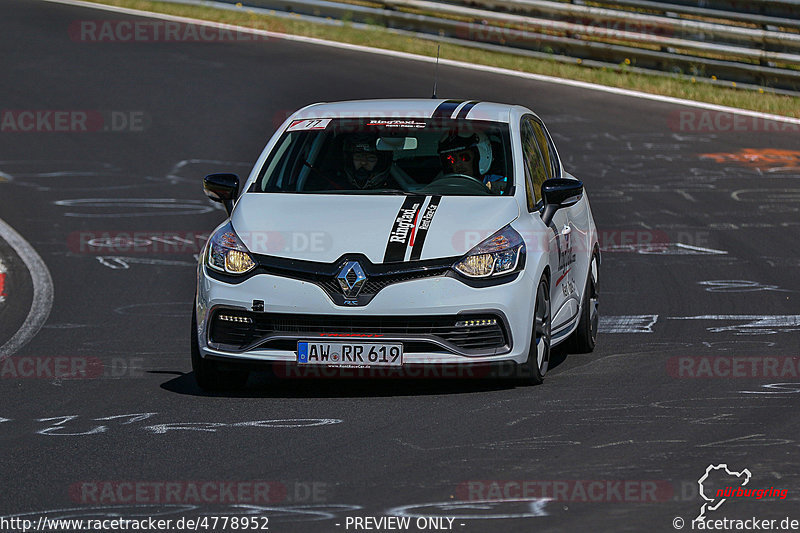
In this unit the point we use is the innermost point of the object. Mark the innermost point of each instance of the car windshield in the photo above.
(390, 156)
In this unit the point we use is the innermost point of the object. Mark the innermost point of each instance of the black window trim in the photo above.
(559, 170)
(539, 205)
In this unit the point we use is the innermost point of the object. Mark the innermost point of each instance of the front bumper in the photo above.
(297, 310)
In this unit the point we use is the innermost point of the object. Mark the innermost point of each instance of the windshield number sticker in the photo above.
(309, 124)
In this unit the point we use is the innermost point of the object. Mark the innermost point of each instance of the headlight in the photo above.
(226, 253)
(496, 256)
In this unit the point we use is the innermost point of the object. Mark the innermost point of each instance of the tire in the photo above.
(207, 374)
(584, 338)
(535, 368)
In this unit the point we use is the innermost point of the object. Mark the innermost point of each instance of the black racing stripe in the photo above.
(402, 229)
(466, 109)
(422, 230)
(446, 108)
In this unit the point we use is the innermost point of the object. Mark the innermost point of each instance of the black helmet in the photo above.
(363, 178)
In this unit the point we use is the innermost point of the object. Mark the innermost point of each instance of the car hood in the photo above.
(385, 228)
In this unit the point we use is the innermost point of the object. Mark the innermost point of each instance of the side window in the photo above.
(537, 170)
(541, 142)
(548, 149)
(525, 136)
(278, 157)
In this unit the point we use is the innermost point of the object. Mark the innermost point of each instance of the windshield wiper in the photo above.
(399, 192)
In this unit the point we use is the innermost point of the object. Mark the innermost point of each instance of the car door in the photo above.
(538, 168)
(579, 222)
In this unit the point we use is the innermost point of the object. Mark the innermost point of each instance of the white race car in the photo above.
(388, 235)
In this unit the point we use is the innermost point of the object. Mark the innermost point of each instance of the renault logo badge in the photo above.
(351, 279)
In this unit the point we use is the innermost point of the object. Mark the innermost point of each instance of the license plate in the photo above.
(349, 354)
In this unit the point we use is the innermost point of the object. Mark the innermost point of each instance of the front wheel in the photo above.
(585, 336)
(534, 369)
(207, 373)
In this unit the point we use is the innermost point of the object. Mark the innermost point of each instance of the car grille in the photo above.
(468, 334)
(379, 276)
(376, 283)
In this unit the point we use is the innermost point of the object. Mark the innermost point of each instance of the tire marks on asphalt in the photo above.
(42, 291)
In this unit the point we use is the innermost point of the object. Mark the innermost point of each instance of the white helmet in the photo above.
(476, 141)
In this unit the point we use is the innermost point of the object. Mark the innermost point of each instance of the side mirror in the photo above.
(223, 188)
(559, 193)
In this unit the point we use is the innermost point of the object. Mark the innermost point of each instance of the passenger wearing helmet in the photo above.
(364, 165)
(470, 154)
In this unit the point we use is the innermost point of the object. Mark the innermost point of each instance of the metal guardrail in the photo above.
(663, 24)
(765, 14)
(773, 8)
(611, 38)
(641, 28)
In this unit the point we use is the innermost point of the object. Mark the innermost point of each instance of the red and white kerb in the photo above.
(2, 282)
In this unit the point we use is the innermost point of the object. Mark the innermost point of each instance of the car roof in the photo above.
(411, 108)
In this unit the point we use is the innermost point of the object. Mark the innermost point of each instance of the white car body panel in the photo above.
(323, 227)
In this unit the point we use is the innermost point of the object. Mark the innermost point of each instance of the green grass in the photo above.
(377, 37)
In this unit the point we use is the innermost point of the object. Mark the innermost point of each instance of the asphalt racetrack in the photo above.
(696, 364)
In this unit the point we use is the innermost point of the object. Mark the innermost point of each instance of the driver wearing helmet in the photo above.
(364, 165)
(470, 154)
